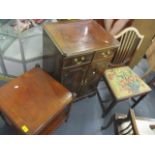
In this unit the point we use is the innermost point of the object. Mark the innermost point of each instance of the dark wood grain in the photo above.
(82, 46)
(74, 38)
(34, 100)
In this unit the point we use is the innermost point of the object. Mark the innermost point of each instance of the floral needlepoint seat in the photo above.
(124, 83)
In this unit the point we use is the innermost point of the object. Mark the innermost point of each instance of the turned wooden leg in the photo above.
(68, 112)
(69, 107)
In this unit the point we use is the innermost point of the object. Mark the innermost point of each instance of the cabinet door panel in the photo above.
(91, 81)
(73, 78)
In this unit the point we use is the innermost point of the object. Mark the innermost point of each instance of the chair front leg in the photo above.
(137, 101)
(109, 108)
(112, 119)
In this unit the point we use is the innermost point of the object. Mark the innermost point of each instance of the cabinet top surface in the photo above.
(32, 100)
(73, 38)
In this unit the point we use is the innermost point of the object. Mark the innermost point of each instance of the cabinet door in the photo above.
(91, 81)
(73, 78)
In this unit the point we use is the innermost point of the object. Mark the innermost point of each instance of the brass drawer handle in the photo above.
(109, 52)
(82, 58)
(75, 60)
(106, 54)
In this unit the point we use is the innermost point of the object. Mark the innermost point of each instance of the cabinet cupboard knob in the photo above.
(103, 53)
(108, 52)
(75, 60)
(94, 72)
(83, 58)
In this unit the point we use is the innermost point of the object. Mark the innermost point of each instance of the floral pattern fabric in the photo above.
(125, 83)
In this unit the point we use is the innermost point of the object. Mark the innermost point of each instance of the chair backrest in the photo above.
(126, 124)
(130, 40)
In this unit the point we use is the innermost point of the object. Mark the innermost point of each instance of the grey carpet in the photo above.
(85, 116)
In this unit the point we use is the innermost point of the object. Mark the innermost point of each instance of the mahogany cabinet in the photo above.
(77, 49)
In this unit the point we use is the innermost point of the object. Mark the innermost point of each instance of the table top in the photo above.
(32, 100)
(78, 37)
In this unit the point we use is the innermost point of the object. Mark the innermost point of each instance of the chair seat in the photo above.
(124, 83)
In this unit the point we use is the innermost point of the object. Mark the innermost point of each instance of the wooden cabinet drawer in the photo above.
(78, 60)
(104, 55)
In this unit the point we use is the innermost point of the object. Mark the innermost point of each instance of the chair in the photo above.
(132, 125)
(130, 40)
(150, 57)
(122, 82)
(126, 124)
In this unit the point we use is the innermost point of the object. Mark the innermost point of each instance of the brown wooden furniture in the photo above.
(130, 40)
(150, 55)
(34, 103)
(123, 83)
(132, 125)
(146, 27)
(77, 48)
(126, 124)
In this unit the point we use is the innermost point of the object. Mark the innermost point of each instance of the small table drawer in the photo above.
(78, 60)
(104, 55)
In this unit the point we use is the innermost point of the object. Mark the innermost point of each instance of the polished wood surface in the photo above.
(77, 48)
(33, 100)
(73, 38)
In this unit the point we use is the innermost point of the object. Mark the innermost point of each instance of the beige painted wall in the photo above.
(147, 28)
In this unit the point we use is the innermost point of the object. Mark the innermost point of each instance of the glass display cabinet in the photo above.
(20, 52)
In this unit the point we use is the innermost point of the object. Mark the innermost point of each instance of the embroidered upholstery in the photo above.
(125, 83)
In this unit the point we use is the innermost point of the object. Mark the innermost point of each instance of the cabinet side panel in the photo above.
(54, 62)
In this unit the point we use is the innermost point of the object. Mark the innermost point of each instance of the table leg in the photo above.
(69, 107)
(68, 112)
